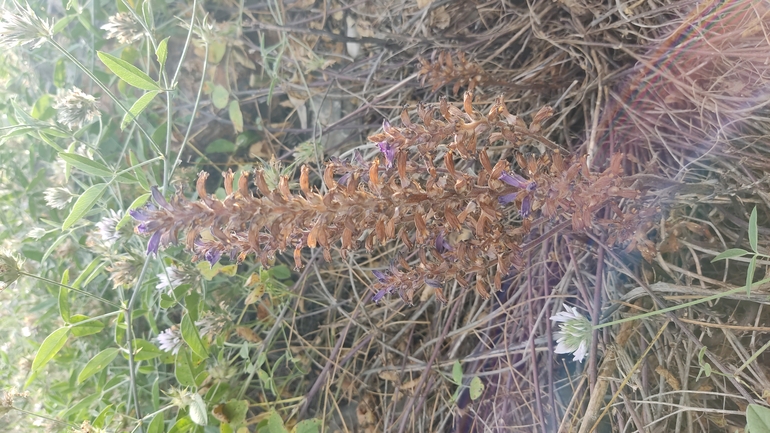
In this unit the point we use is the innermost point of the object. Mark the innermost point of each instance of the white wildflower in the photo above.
(107, 228)
(20, 26)
(123, 27)
(170, 340)
(171, 278)
(57, 198)
(75, 108)
(574, 335)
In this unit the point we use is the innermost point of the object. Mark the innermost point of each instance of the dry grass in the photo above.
(679, 87)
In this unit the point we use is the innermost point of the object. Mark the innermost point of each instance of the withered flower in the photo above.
(75, 108)
(21, 26)
(123, 27)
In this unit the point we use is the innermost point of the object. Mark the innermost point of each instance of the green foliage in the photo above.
(757, 419)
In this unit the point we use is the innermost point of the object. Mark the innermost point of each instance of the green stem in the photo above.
(679, 307)
(82, 292)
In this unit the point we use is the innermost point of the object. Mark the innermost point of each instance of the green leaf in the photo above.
(220, 145)
(457, 373)
(750, 274)
(140, 176)
(98, 363)
(235, 411)
(183, 369)
(43, 110)
(138, 106)
(280, 272)
(220, 96)
(182, 425)
(127, 72)
(753, 229)
(307, 426)
(757, 419)
(192, 338)
(236, 116)
(62, 24)
(161, 53)
(88, 328)
(64, 303)
(275, 424)
(144, 350)
(477, 387)
(84, 203)
(156, 425)
(140, 201)
(87, 165)
(198, 413)
(60, 74)
(86, 272)
(729, 254)
(50, 347)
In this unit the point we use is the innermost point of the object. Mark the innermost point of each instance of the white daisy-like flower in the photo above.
(574, 335)
(170, 340)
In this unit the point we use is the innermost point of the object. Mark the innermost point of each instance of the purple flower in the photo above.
(379, 295)
(432, 283)
(158, 197)
(526, 206)
(154, 243)
(212, 256)
(442, 245)
(507, 198)
(514, 180)
(380, 276)
(389, 152)
(386, 126)
(140, 214)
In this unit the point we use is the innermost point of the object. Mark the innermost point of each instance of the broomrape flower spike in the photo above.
(574, 335)
(20, 26)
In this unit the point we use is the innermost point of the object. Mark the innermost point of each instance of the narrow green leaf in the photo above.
(64, 303)
(138, 107)
(86, 272)
(53, 246)
(477, 387)
(236, 116)
(138, 171)
(753, 229)
(161, 53)
(457, 373)
(62, 24)
(198, 413)
(729, 254)
(87, 165)
(156, 394)
(88, 328)
(750, 274)
(60, 74)
(192, 338)
(98, 363)
(140, 201)
(99, 420)
(50, 347)
(84, 204)
(127, 72)
(156, 425)
(757, 419)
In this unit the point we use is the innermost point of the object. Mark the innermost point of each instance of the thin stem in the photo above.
(104, 88)
(82, 292)
(195, 107)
